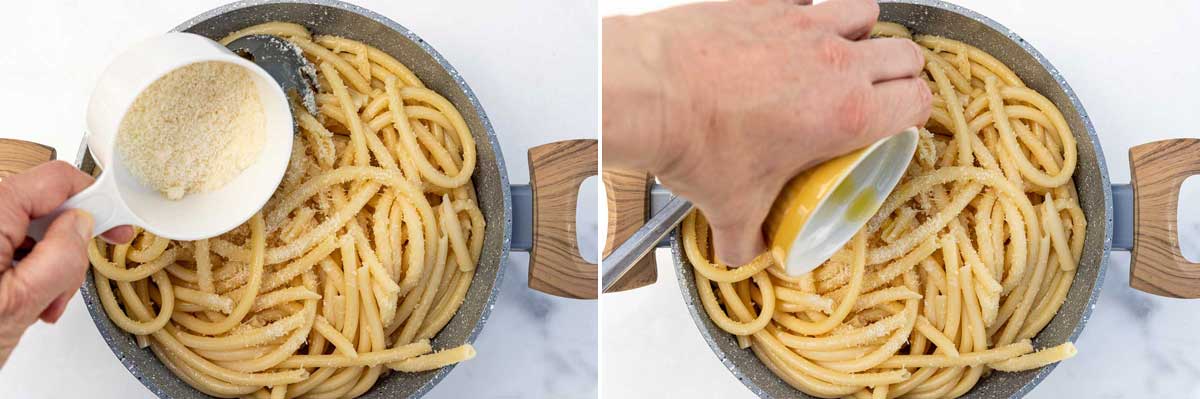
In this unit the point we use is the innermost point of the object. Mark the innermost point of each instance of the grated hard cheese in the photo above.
(193, 130)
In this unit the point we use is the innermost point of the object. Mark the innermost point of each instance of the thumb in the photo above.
(737, 243)
(58, 263)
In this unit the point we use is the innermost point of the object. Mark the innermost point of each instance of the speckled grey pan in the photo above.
(491, 180)
(1091, 180)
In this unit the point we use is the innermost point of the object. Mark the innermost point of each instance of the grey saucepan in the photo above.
(556, 171)
(1140, 216)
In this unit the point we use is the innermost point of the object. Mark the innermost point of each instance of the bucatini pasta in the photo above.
(364, 253)
(967, 260)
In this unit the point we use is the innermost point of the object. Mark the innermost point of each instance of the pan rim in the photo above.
(699, 317)
(87, 291)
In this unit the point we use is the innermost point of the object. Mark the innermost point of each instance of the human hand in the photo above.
(47, 277)
(725, 102)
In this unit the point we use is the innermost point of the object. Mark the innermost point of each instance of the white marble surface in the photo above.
(533, 67)
(1133, 65)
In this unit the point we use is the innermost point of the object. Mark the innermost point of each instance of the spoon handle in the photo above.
(644, 240)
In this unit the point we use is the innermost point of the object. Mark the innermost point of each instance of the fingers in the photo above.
(19, 253)
(788, 2)
(118, 235)
(736, 244)
(851, 19)
(46, 186)
(899, 104)
(888, 58)
(56, 309)
(57, 264)
(41, 285)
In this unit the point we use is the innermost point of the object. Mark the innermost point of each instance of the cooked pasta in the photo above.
(966, 261)
(363, 254)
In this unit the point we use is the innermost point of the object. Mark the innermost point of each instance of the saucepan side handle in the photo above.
(1156, 265)
(628, 194)
(16, 156)
(555, 172)
(1122, 198)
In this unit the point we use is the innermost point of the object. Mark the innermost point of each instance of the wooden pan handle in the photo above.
(555, 172)
(16, 156)
(1157, 266)
(628, 195)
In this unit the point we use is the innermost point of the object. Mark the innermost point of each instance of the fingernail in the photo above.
(83, 224)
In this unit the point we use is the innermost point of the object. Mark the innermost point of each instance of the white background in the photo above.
(533, 66)
(1135, 68)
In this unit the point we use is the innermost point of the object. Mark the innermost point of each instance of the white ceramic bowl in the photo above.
(118, 198)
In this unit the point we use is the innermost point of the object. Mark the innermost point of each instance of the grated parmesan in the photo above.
(193, 130)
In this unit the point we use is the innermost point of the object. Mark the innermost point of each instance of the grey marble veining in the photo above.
(547, 346)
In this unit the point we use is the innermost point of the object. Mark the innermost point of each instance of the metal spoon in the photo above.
(645, 239)
(285, 62)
